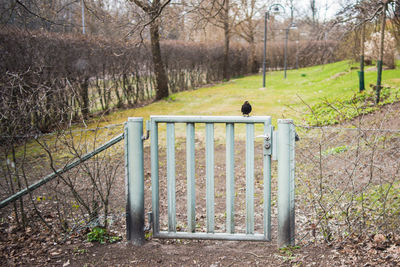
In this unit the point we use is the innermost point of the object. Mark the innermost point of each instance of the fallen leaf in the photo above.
(379, 238)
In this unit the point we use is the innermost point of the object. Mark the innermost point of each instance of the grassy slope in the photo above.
(325, 81)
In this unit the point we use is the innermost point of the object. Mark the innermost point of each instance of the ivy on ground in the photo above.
(330, 112)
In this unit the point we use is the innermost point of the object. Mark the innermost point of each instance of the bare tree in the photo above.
(313, 9)
(223, 15)
(364, 12)
(153, 10)
(384, 8)
(246, 28)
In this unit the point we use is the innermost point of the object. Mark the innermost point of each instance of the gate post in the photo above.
(286, 166)
(134, 181)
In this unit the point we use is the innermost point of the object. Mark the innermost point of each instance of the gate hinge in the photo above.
(145, 137)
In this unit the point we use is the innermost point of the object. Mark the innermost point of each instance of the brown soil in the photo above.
(198, 253)
(76, 251)
(35, 247)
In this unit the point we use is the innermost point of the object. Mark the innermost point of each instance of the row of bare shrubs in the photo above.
(68, 77)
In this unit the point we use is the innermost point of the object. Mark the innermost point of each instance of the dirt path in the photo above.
(197, 253)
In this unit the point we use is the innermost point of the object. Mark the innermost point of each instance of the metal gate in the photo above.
(277, 145)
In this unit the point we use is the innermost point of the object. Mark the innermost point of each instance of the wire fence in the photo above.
(73, 197)
(39, 135)
(347, 181)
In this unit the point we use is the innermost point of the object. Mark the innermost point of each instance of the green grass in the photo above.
(343, 109)
(282, 98)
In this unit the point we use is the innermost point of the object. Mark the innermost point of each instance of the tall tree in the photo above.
(246, 28)
(313, 8)
(381, 46)
(360, 8)
(220, 14)
(396, 20)
(153, 10)
(366, 11)
(362, 54)
(227, 35)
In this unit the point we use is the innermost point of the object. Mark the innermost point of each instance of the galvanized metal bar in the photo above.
(190, 171)
(292, 183)
(250, 178)
(214, 236)
(274, 145)
(154, 177)
(210, 177)
(60, 171)
(230, 178)
(171, 177)
(134, 181)
(210, 119)
(267, 151)
(126, 150)
(285, 145)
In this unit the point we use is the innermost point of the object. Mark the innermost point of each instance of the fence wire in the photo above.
(347, 182)
(81, 197)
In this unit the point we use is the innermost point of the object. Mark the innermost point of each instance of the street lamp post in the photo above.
(276, 9)
(291, 26)
(265, 46)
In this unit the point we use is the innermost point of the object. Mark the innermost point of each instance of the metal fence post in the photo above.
(134, 181)
(286, 164)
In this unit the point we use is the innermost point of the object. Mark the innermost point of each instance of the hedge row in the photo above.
(51, 79)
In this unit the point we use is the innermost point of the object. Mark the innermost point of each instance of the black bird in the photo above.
(246, 108)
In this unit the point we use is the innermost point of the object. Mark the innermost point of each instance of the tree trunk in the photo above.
(313, 11)
(159, 71)
(252, 60)
(361, 75)
(226, 73)
(380, 57)
(85, 98)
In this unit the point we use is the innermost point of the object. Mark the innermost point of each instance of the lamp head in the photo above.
(276, 10)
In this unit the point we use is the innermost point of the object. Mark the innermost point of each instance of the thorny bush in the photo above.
(348, 176)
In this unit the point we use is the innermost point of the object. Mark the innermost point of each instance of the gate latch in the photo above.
(145, 137)
(267, 139)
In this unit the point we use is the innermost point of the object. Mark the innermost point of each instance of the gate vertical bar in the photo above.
(171, 177)
(134, 180)
(285, 182)
(249, 178)
(210, 177)
(190, 171)
(267, 150)
(154, 177)
(230, 178)
(292, 163)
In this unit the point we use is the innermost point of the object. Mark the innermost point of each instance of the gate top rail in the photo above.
(211, 119)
